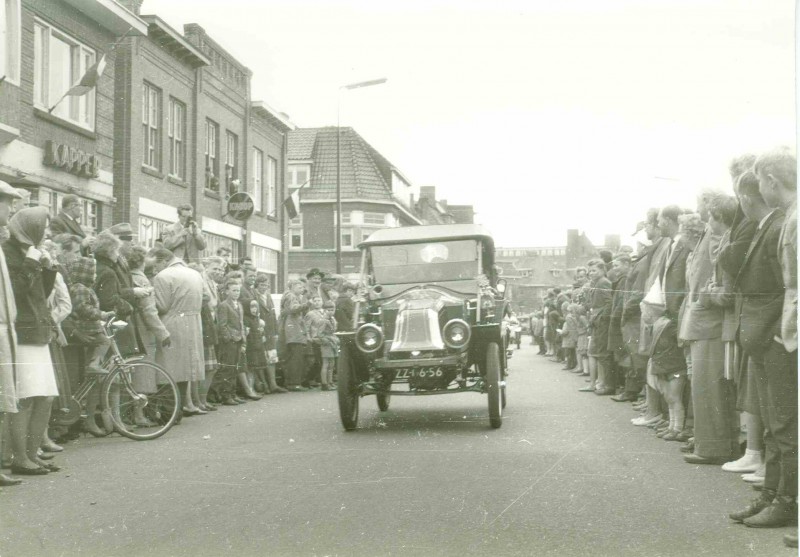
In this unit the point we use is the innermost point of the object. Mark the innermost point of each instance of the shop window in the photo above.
(212, 156)
(272, 186)
(151, 129)
(347, 237)
(214, 242)
(151, 230)
(60, 61)
(176, 128)
(258, 177)
(266, 261)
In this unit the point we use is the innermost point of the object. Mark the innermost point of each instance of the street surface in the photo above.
(566, 475)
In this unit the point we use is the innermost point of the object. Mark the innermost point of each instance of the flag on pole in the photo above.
(292, 204)
(89, 79)
(87, 82)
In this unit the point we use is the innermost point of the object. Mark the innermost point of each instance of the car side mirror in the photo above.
(501, 287)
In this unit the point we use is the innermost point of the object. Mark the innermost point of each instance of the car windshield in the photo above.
(425, 262)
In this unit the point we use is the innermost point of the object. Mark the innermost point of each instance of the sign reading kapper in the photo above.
(75, 161)
(241, 206)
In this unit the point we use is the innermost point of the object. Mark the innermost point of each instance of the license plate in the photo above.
(419, 372)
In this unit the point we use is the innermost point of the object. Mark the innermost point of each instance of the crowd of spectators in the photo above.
(698, 330)
(210, 323)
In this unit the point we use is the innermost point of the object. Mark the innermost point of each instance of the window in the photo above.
(176, 129)
(151, 131)
(231, 171)
(9, 40)
(374, 218)
(296, 232)
(214, 242)
(212, 156)
(272, 186)
(59, 61)
(298, 174)
(258, 176)
(150, 230)
(347, 237)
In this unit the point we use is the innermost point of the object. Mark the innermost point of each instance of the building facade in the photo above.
(53, 144)
(189, 132)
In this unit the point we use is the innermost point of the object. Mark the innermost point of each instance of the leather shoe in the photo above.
(586, 389)
(687, 448)
(790, 539)
(782, 512)
(623, 397)
(5, 481)
(697, 459)
(24, 471)
(230, 402)
(756, 506)
(605, 391)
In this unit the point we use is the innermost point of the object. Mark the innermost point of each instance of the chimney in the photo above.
(133, 6)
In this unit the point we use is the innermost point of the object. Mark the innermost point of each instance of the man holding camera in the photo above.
(184, 238)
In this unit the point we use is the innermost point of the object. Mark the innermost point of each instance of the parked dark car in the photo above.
(428, 320)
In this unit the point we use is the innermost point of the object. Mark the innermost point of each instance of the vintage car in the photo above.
(427, 320)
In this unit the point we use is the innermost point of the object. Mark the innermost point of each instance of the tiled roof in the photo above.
(365, 173)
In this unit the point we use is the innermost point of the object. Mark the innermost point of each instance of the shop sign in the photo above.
(75, 161)
(241, 206)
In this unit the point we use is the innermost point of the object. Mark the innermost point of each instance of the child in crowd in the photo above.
(313, 353)
(569, 335)
(84, 326)
(323, 335)
(85, 323)
(582, 346)
(231, 348)
(256, 348)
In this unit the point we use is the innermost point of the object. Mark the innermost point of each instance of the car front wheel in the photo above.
(348, 393)
(494, 378)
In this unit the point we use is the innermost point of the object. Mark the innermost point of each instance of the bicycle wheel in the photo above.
(137, 414)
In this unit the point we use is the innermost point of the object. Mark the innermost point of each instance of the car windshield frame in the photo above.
(432, 261)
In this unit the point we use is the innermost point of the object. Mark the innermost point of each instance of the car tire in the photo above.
(383, 402)
(494, 388)
(347, 384)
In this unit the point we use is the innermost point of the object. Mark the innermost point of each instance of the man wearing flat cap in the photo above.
(184, 238)
(68, 220)
(8, 314)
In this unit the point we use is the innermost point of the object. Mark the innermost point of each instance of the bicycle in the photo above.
(161, 408)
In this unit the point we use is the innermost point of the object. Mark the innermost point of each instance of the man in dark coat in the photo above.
(68, 220)
(761, 284)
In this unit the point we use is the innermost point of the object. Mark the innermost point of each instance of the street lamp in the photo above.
(358, 85)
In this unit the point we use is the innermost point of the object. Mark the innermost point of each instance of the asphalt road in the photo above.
(566, 475)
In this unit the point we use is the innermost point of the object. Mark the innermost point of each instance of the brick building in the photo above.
(531, 271)
(188, 131)
(52, 145)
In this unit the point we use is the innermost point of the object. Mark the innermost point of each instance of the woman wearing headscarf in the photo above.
(32, 282)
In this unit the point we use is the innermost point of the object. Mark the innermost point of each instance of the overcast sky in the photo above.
(545, 115)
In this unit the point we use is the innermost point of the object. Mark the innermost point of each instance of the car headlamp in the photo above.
(369, 338)
(456, 333)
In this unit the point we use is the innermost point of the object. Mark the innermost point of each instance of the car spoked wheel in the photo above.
(383, 402)
(494, 387)
(347, 390)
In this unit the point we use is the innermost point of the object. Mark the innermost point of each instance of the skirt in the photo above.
(210, 356)
(35, 373)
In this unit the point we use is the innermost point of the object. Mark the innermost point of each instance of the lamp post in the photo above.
(358, 85)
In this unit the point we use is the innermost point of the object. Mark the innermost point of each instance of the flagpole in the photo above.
(64, 96)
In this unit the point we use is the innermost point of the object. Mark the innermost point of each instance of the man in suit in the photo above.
(716, 423)
(777, 181)
(760, 282)
(68, 220)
